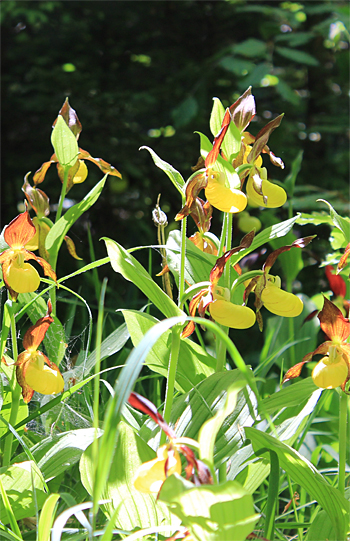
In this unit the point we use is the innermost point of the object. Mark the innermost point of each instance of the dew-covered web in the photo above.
(74, 412)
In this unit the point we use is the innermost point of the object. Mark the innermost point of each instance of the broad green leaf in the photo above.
(64, 143)
(274, 231)
(47, 517)
(307, 476)
(297, 56)
(209, 430)
(57, 233)
(194, 364)
(216, 116)
(18, 480)
(56, 454)
(236, 65)
(222, 512)
(55, 337)
(124, 263)
(110, 345)
(122, 388)
(338, 221)
(135, 508)
(316, 218)
(169, 170)
(293, 395)
(192, 410)
(321, 528)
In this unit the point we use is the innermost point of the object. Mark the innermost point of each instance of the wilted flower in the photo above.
(333, 370)
(19, 276)
(34, 371)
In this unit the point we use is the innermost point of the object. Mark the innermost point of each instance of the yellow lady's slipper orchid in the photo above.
(34, 371)
(280, 302)
(216, 299)
(151, 475)
(19, 276)
(333, 370)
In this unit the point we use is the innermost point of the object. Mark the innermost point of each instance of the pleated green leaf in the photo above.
(194, 364)
(191, 410)
(307, 476)
(135, 508)
(18, 481)
(124, 263)
(294, 395)
(222, 512)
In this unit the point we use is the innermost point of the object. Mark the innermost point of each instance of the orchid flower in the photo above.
(151, 475)
(78, 170)
(34, 371)
(19, 276)
(333, 370)
(216, 299)
(268, 290)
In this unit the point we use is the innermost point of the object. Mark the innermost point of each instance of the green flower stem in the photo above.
(223, 235)
(343, 439)
(63, 194)
(16, 392)
(220, 345)
(170, 385)
(182, 262)
(95, 444)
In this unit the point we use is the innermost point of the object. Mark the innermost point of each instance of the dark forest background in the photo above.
(144, 73)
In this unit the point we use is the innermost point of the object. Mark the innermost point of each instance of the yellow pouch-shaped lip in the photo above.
(281, 302)
(42, 378)
(22, 279)
(276, 196)
(232, 315)
(329, 375)
(224, 198)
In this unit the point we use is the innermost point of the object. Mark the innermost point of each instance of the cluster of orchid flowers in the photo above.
(217, 173)
(213, 174)
(34, 371)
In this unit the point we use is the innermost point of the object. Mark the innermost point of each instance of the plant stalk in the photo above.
(16, 392)
(343, 440)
